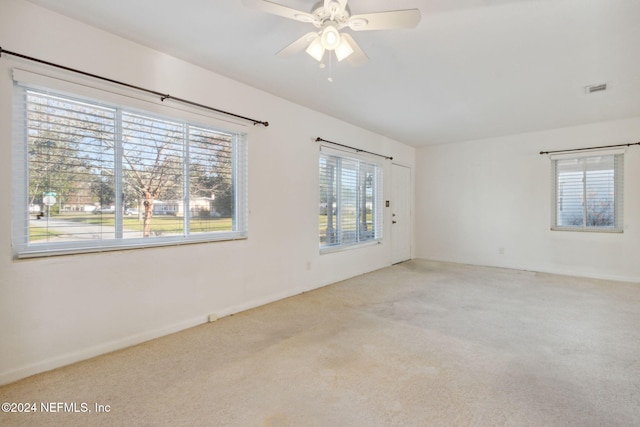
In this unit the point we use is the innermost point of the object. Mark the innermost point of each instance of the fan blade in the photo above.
(385, 20)
(358, 57)
(297, 45)
(278, 9)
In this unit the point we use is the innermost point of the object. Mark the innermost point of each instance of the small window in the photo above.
(588, 193)
(92, 175)
(350, 200)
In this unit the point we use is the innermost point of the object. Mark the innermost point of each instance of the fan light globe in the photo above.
(330, 38)
(316, 49)
(344, 49)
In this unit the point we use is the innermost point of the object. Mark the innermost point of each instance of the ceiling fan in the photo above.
(330, 17)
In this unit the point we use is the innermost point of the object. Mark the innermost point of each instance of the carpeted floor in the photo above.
(416, 344)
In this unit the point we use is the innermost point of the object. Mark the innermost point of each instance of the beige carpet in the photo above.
(416, 344)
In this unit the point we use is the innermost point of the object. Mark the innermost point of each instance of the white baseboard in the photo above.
(558, 271)
(255, 303)
(84, 354)
(87, 353)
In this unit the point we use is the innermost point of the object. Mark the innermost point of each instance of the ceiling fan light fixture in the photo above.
(316, 49)
(330, 37)
(343, 50)
(330, 16)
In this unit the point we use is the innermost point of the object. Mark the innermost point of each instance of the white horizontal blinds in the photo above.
(94, 175)
(589, 192)
(70, 163)
(370, 202)
(240, 192)
(328, 200)
(350, 201)
(153, 173)
(348, 197)
(211, 198)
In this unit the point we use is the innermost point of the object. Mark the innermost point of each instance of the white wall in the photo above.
(54, 311)
(477, 199)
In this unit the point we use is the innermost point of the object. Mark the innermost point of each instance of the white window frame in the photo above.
(557, 197)
(377, 203)
(132, 101)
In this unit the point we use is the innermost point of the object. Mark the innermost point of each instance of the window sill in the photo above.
(58, 250)
(340, 248)
(589, 230)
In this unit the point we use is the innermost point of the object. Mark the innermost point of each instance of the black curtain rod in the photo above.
(590, 148)
(162, 96)
(357, 150)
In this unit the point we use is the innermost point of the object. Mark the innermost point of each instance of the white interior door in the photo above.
(400, 205)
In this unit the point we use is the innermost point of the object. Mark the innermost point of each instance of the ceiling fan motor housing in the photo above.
(335, 12)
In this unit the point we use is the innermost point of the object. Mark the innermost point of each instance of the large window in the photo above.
(94, 175)
(350, 200)
(588, 193)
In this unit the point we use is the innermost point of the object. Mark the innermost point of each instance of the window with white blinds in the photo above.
(350, 200)
(92, 175)
(588, 193)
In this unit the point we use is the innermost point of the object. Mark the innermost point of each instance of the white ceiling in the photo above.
(471, 69)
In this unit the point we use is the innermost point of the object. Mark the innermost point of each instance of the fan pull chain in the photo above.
(323, 66)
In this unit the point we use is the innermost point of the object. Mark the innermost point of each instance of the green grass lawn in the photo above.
(37, 233)
(159, 224)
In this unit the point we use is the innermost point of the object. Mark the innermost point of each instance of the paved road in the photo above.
(72, 230)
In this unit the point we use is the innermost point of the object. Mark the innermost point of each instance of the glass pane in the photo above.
(570, 199)
(327, 207)
(211, 197)
(366, 208)
(347, 200)
(586, 192)
(600, 198)
(71, 169)
(348, 197)
(152, 163)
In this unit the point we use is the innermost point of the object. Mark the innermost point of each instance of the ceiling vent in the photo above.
(595, 88)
